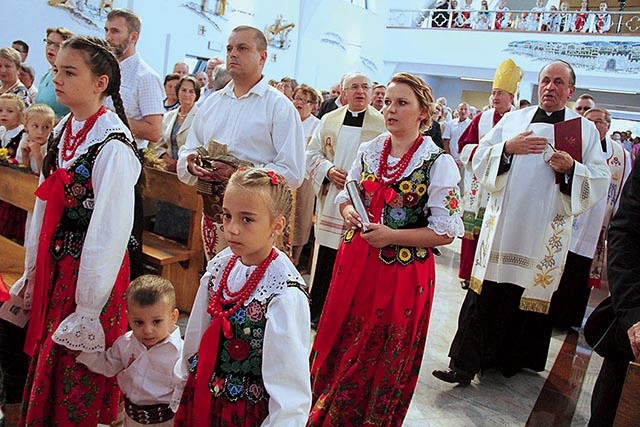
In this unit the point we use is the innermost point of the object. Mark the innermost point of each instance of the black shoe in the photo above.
(453, 377)
(464, 284)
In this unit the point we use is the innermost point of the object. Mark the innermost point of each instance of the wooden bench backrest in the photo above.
(16, 188)
(165, 186)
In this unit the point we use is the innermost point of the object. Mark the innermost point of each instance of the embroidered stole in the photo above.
(617, 164)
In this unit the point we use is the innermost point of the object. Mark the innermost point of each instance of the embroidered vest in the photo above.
(407, 210)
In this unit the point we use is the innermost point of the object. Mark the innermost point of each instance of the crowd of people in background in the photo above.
(450, 14)
(425, 172)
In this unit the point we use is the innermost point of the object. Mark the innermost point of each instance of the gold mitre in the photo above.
(507, 77)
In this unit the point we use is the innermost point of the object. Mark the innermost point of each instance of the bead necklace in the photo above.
(239, 297)
(387, 175)
(72, 142)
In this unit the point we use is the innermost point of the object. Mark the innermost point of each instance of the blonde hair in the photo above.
(10, 54)
(270, 184)
(19, 103)
(147, 290)
(42, 110)
(423, 93)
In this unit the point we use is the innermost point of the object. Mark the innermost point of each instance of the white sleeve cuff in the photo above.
(452, 225)
(81, 331)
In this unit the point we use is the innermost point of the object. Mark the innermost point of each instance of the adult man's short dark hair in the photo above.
(258, 36)
(133, 22)
(23, 45)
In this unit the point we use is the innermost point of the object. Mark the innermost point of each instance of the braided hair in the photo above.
(422, 90)
(272, 186)
(101, 61)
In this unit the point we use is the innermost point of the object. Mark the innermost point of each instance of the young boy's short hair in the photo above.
(149, 289)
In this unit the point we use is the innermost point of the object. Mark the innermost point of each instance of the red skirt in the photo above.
(60, 391)
(223, 413)
(372, 366)
(12, 221)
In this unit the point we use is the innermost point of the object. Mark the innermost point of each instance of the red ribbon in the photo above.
(52, 191)
(207, 357)
(381, 195)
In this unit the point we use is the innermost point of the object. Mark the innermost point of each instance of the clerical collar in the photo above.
(354, 119)
(542, 116)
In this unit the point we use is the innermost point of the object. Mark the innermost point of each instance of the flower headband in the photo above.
(275, 179)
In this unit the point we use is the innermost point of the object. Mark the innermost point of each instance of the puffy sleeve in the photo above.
(115, 173)
(317, 164)
(285, 362)
(288, 139)
(199, 320)
(444, 198)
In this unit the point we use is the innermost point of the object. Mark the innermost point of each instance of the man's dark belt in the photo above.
(148, 414)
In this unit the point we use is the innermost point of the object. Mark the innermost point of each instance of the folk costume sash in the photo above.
(52, 191)
(538, 269)
(617, 163)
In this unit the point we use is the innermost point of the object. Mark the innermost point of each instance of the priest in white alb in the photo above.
(536, 187)
(330, 154)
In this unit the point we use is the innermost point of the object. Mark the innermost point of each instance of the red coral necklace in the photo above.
(72, 142)
(236, 299)
(387, 175)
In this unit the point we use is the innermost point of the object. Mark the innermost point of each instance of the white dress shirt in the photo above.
(145, 375)
(7, 135)
(141, 91)
(452, 132)
(262, 127)
(115, 173)
(285, 351)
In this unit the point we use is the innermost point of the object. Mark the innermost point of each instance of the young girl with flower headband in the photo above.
(245, 355)
(76, 264)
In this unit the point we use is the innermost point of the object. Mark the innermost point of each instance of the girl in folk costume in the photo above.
(372, 332)
(582, 20)
(76, 264)
(601, 22)
(245, 355)
(12, 218)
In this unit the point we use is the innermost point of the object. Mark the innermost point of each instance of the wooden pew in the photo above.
(177, 262)
(16, 188)
(628, 413)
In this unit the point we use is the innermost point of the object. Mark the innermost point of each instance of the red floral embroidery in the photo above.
(238, 349)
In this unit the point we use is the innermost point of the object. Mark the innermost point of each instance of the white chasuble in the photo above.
(527, 225)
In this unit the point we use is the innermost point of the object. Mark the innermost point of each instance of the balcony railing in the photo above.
(594, 22)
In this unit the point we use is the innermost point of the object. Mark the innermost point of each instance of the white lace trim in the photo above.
(80, 331)
(275, 281)
(106, 125)
(373, 150)
(452, 225)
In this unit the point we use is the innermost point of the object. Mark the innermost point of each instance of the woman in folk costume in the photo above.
(372, 332)
(245, 355)
(76, 264)
(505, 86)
(601, 22)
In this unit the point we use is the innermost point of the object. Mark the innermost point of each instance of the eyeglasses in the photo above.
(363, 86)
(600, 122)
(49, 43)
(305, 101)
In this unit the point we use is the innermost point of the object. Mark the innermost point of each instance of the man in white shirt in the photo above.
(255, 121)
(142, 95)
(454, 129)
(141, 88)
(181, 68)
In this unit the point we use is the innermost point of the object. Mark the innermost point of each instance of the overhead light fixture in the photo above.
(626, 92)
(476, 79)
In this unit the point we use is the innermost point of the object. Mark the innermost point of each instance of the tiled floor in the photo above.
(491, 400)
